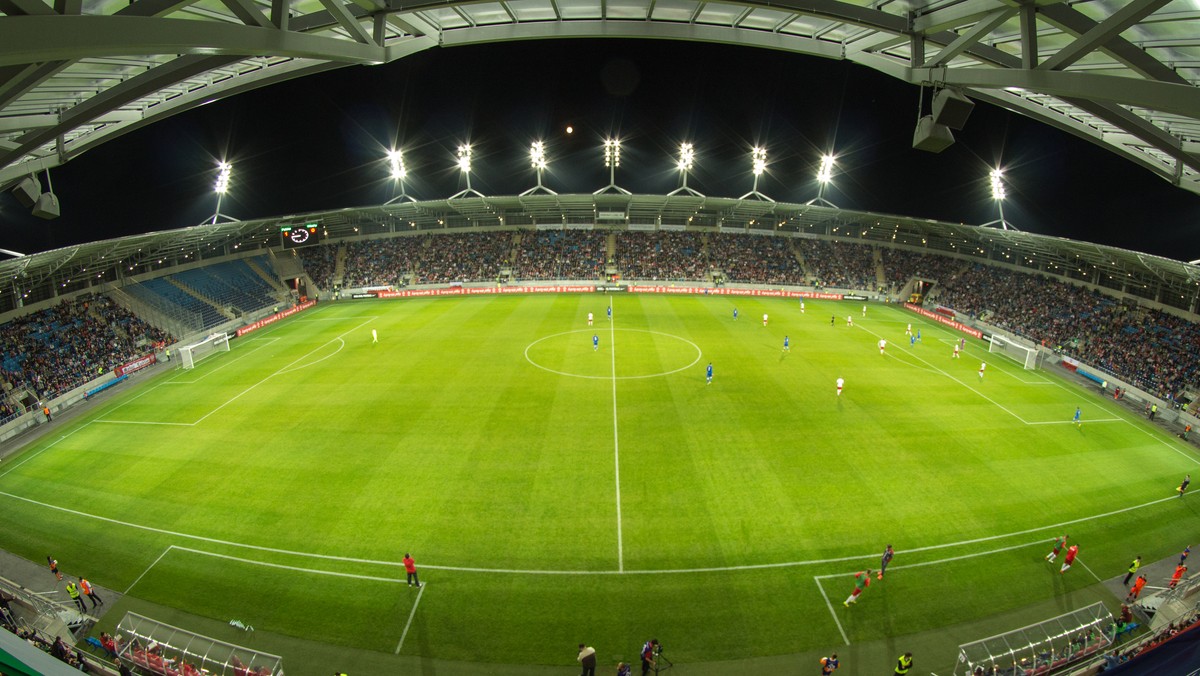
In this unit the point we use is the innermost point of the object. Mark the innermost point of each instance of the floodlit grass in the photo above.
(282, 483)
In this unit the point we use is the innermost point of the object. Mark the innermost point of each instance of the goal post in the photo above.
(1022, 354)
(190, 354)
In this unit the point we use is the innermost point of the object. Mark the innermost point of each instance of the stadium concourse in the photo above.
(59, 346)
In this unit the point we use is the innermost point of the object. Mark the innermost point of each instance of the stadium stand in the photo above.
(755, 259)
(319, 262)
(155, 291)
(59, 348)
(381, 262)
(838, 264)
(561, 254)
(671, 256)
(470, 257)
(231, 284)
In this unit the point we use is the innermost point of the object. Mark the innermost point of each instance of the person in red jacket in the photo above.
(410, 567)
(1072, 552)
(1179, 571)
(1136, 589)
(862, 580)
(86, 588)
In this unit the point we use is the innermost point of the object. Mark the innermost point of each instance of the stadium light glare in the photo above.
(224, 173)
(396, 162)
(537, 160)
(997, 179)
(612, 160)
(687, 159)
(464, 158)
(759, 158)
(825, 173)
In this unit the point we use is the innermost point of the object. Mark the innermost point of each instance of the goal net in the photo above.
(1022, 354)
(190, 354)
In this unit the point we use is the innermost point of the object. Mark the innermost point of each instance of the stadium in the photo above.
(468, 434)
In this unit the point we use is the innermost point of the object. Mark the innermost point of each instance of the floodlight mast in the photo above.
(221, 186)
(537, 160)
(687, 157)
(464, 165)
(824, 178)
(612, 160)
(996, 178)
(395, 160)
(758, 158)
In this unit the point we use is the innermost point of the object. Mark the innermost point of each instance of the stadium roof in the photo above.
(1120, 73)
(40, 276)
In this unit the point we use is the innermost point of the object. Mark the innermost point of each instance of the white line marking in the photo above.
(314, 571)
(145, 422)
(45, 448)
(1085, 566)
(832, 611)
(578, 375)
(224, 362)
(282, 370)
(1072, 422)
(612, 348)
(513, 571)
(411, 614)
(139, 577)
(312, 363)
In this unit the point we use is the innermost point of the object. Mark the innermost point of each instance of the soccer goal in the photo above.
(190, 354)
(1022, 354)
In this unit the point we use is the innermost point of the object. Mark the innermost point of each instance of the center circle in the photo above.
(623, 354)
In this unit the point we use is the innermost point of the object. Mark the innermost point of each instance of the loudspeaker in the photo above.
(47, 206)
(27, 191)
(931, 136)
(951, 108)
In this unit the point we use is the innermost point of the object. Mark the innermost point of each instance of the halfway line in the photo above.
(411, 613)
(612, 348)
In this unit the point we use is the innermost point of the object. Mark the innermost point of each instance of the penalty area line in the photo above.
(832, 612)
(411, 614)
(139, 577)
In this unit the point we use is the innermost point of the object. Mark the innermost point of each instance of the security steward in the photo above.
(904, 664)
(73, 592)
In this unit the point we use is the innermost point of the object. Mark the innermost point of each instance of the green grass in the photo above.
(484, 436)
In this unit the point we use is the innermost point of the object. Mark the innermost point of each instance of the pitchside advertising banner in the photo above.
(459, 291)
(274, 318)
(942, 319)
(135, 365)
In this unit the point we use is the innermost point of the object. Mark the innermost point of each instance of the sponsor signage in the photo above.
(135, 365)
(266, 321)
(853, 297)
(942, 319)
(362, 295)
(590, 288)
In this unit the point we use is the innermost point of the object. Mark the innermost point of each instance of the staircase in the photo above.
(880, 274)
(799, 256)
(339, 266)
(278, 264)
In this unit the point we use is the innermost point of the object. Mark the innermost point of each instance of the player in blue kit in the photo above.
(610, 312)
(1078, 422)
(708, 374)
(787, 346)
(595, 343)
(735, 314)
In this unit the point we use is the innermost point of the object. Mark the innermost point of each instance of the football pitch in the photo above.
(554, 490)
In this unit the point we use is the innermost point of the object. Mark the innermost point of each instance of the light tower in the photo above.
(996, 177)
(537, 160)
(612, 160)
(221, 186)
(395, 160)
(824, 178)
(687, 157)
(464, 165)
(758, 157)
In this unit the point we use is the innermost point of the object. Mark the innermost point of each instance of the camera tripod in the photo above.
(661, 663)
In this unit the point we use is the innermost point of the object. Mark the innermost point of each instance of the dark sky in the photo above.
(318, 143)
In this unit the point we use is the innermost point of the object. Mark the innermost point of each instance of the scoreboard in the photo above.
(295, 236)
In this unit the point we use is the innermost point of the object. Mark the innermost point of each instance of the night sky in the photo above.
(318, 143)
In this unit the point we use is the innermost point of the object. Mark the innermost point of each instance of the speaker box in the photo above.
(931, 136)
(951, 108)
(47, 206)
(27, 191)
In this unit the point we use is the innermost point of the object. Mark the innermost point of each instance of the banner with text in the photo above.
(942, 319)
(265, 321)
(696, 290)
(135, 365)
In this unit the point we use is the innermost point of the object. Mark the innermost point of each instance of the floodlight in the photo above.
(396, 161)
(997, 178)
(464, 164)
(612, 152)
(399, 172)
(223, 175)
(221, 186)
(825, 173)
(687, 155)
(537, 160)
(537, 155)
(759, 157)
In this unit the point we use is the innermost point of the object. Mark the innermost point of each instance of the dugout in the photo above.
(1042, 648)
(159, 648)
